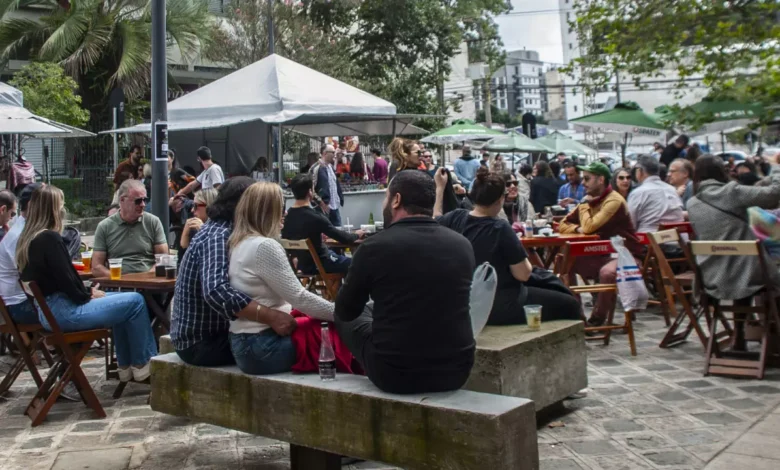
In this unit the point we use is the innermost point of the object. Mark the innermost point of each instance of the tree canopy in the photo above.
(49, 93)
(731, 46)
(102, 44)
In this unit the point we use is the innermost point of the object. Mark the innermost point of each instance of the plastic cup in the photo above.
(533, 316)
(115, 268)
(380, 225)
(86, 260)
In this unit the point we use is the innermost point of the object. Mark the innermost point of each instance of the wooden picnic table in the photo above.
(85, 275)
(552, 246)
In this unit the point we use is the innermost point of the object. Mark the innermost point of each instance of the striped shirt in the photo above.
(204, 302)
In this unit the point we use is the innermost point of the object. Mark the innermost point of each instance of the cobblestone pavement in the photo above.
(653, 411)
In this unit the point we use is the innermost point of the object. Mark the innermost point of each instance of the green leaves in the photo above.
(728, 45)
(49, 93)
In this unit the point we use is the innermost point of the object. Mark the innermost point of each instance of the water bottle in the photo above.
(529, 228)
(327, 356)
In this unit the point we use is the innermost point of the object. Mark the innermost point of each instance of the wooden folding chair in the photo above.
(72, 348)
(674, 288)
(26, 339)
(738, 363)
(571, 252)
(650, 273)
(681, 227)
(331, 282)
(309, 281)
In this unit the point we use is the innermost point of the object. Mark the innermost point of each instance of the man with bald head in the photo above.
(681, 177)
(327, 189)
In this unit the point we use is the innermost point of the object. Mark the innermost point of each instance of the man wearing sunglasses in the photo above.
(131, 234)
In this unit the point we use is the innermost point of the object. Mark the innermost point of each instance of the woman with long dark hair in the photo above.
(495, 242)
(358, 170)
(544, 187)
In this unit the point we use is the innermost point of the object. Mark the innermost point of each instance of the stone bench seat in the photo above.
(351, 417)
(546, 366)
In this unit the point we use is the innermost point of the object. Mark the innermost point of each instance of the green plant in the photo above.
(49, 93)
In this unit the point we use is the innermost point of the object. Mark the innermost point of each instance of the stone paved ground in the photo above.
(654, 411)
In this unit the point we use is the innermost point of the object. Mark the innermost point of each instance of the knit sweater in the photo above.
(605, 216)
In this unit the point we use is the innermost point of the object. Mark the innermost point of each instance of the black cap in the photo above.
(204, 153)
(26, 195)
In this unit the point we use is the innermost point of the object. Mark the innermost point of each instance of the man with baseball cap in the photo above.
(20, 309)
(602, 212)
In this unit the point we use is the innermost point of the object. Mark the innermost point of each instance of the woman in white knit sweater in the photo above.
(259, 268)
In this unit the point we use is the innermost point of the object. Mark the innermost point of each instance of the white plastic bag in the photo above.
(631, 285)
(483, 291)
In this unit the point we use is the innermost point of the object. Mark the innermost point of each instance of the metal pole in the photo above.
(116, 145)
(271, 27)
(617, 84)
(487, 104)
(280, 156)
(159, 114)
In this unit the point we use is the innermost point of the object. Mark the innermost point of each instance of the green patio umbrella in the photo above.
(459, 131)
(515, 142)
(562, 144)
(711, 116)
(626, 118)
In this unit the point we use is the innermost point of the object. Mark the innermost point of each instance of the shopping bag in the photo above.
(483, 291)
(631, 286)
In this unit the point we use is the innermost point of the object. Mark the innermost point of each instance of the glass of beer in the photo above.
(533, 316)
(115, 268)
(86, 260)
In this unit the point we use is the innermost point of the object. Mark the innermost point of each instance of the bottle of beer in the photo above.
(327, 356)
(371, 218)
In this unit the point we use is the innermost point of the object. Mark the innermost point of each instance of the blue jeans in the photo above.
(124, 312)
(333, 263)
(24, 313)
(263, 353)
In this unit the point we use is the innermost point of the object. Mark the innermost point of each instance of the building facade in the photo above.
(516, 88)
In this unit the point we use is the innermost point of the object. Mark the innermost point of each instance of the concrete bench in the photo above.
(546, 365)
(349, 416)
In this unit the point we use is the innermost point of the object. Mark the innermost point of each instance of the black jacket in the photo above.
(544, 192)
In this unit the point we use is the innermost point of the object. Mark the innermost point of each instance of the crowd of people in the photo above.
(239, 301)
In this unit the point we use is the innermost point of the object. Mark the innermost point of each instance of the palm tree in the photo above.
(103, 44)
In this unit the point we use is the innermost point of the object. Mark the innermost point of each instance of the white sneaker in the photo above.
(141, 373)
(125, 375)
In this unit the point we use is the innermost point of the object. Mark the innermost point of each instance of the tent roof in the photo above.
(17, 120)
(10, 96)
(274, 90)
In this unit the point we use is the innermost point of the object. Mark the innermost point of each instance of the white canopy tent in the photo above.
(15, 119)
(233, 114)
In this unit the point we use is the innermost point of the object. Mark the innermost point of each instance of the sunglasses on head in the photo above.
(137, 201)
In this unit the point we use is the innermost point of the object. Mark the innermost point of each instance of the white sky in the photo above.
(538, 31)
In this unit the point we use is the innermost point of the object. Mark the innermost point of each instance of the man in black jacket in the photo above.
(416, 337)
(302, 222)
(673, 150)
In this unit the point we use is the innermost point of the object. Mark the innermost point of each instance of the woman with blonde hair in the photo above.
(203, 199)
(406, 156)
(259, 268)
(42, 257)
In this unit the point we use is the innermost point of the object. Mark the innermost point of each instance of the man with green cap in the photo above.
(603, 212)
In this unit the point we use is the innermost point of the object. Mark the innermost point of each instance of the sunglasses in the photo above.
(200, 204)
(137, 201)
(623, 178)
(509, 184)
(418, 152)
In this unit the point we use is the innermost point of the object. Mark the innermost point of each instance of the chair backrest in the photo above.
(592, 248)
(681, 227)
(32, 289)
(665, 236)
(659, 257)
(305, 245)
(642, 238)
(725, 248)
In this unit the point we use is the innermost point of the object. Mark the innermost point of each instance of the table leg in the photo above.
(159, 310)
(534, 258)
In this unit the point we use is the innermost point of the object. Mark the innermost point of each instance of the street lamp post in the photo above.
(159, 115)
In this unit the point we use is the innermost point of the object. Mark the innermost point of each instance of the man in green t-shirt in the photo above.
(131, 234)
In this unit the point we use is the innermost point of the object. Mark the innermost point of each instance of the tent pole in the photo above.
(394, 132)
(159, 115)
(722, 141)
(623, 150)
(227, 150)
(279, 155)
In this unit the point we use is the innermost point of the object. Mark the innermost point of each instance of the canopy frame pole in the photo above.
(159, 115)
(279, 155)
(114, 138)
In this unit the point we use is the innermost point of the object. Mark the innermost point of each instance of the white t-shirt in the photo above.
(211, 176)
(10, 290)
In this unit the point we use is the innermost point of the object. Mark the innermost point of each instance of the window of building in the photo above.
(575, 108)
(568, 15)
(502, 104)
(570, 46)
(573, 92)
(517, 71)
